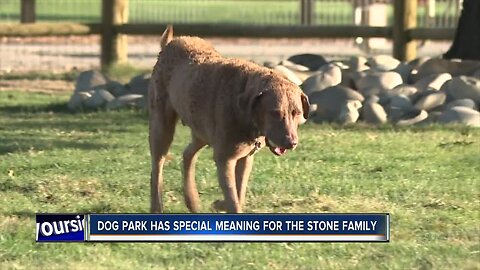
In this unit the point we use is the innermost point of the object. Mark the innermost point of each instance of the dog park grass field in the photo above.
(194, 11)
(54, 161)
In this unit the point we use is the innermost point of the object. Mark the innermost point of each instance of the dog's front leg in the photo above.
(226, 178)
(242, 173)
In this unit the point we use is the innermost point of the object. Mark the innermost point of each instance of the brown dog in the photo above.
(232, 105)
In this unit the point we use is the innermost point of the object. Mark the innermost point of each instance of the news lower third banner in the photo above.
(213, 227)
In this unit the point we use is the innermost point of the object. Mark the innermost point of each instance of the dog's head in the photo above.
(276, 107)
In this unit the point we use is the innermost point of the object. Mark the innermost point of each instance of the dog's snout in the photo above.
(291, 141)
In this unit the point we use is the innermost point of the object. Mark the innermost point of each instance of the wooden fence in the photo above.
(114, 27)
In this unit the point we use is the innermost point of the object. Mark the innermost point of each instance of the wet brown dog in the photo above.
(234, 106)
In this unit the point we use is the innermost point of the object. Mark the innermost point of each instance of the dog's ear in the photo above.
(248, 101)
(305, 105)
(167, 36)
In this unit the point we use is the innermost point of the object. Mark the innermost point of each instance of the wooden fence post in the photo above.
(404, 18)
(307, 12)
(27, 11)
(114, 45)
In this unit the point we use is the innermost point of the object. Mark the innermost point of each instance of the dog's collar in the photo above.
(257, 145)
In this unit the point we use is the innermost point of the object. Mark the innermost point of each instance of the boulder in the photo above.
(76, 101)
(311, 61)
(350, 77)
(476, 74)
(453, 67)
(290, 75)
(139, 85)
(373, 113)
(269, 64)
(349, 112)
(98, 99)
(116, 88)
(357, 63)
(334, 104)
(404, 89)
(431, 101)
(378, 82)
(382, 62)
(463, 87)
(292, 66)
(464, 102)
(432, 81)
(405, 70)
(90, 80)
(412, 118)
(460, 115)
(328, 75)
(400, 101)
(431, 118)
(371, 99)
(124, 101)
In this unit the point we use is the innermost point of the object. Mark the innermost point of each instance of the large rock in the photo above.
(292, 66)
(350, 77)
(139, 85)
(371, 99)
(90, 80)
(460, 115)
(311, 61)
(453, 67)
(116, 88)
(77, 100)
(373, 113)
(464, 102)
(334, 104)
(382, 62)
(357, 63)
(463, 87)
(431, 101)
(433, 81)
(405, 70)
(328, 75)
(412, 118)
(404, 89)
(378, 82)
(349, 112)
(416, 63)
(132, 100)
(290, 75)
(98, 99)
(400, 101)
(476, 74)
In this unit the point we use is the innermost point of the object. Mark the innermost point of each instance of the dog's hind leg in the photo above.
(190, 156)
(162, 127)
(242, 173)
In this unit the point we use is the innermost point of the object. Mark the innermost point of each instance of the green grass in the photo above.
(54, 161)
(284, 12)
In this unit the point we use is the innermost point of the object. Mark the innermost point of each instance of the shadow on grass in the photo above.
(60, 107)
(12, 145)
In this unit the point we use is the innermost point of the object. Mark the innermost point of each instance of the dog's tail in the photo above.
(167, 36)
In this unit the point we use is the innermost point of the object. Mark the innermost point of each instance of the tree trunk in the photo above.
(466, 44)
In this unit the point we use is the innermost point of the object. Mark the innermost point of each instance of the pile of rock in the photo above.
(374, 90)
(382, 89)
(93, 90)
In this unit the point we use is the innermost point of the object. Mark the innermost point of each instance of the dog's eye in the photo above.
(275, 113)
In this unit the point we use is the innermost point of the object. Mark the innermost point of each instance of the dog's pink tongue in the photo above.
(280, 151)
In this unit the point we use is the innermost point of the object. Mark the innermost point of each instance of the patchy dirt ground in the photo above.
(45, 86)
(57, 54)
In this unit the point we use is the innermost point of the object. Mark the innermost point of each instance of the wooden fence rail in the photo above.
(114, 28)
